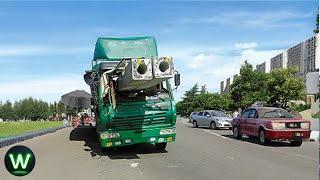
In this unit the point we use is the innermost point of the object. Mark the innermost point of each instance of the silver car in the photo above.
(211, 118)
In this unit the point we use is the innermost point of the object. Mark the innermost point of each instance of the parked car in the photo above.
(270, 123)
(211, 118)
(190, 116)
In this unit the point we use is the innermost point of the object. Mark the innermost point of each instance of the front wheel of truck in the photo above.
(161, 146)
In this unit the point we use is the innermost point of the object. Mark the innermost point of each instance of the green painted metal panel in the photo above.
(118, 48)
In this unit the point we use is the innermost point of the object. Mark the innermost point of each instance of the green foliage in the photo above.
(317, 115)
(6, 110)
(248, 87)
(30, 109)
(196, 101)
(277, 88)
(283, 86)
(16, 128)
(300, 107)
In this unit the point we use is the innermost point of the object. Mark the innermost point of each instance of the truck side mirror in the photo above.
(177, 79)
(87, 78)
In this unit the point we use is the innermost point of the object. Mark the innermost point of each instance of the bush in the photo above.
(300, 107)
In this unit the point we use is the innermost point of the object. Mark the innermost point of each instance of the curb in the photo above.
(12, 140)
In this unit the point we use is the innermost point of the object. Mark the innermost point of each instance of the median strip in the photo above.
(12, 140)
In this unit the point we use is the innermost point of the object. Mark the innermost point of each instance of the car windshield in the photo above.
(218, 114)
(275, 113)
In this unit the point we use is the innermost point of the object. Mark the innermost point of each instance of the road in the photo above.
(198, 153)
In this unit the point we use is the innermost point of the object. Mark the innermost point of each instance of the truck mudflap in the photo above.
(130, 137)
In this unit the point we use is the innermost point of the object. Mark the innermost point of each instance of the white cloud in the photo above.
(41, 87)
(210, 65)
(247, 45)
(258, 56)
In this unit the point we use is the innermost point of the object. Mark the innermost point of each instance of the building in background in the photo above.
(305, 56)
(276, 62)
(261, 67)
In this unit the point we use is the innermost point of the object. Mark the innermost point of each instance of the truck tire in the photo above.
(296, 143)
(161, 146)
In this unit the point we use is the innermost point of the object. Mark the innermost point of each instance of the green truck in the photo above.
(131, 92)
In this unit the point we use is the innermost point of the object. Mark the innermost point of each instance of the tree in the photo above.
(186, 104)
(283, 86)
(193, 101)
(7, 111)
(203, 89)
(248, 87)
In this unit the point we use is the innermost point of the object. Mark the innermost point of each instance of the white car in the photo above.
(211, 118)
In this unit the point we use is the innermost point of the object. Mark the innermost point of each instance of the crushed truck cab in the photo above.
(131, 92)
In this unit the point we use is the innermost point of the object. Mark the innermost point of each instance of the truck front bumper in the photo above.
(129, 137)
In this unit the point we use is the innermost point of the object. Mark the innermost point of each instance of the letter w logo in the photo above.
(19, 160)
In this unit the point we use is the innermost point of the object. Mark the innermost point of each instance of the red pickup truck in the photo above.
(269, 123)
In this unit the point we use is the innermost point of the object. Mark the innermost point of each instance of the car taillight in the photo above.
(305, 126)
(278, 126)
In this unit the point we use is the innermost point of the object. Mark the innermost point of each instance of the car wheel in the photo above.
(213, 125)
(296, 143)
(194, 124)
(237, 132)
(161, 146)
(262, 137)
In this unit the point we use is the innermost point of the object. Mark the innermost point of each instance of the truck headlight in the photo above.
(278, 126)
(305, 126)
(167, 131)
(104, 135)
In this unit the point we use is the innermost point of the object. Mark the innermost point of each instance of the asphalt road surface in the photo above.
(198, 153)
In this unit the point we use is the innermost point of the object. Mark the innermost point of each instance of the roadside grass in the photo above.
(15, 128)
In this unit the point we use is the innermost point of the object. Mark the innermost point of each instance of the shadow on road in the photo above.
(254, 140)
(92, 145)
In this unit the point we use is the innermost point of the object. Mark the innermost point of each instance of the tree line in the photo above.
(32, 109)
(276, 89)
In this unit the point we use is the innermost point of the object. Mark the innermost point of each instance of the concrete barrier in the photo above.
(12, 140)
(314, 136)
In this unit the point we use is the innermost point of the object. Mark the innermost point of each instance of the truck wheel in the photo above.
(213, 125)
(296, 143)
(237, 132)
(161, 146)
(262, 137)
(194, 124)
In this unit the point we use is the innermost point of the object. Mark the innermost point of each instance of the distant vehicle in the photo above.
(211, 118)
(270, 123)
(190, 117)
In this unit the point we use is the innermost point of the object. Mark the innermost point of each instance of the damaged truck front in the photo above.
(132, 95)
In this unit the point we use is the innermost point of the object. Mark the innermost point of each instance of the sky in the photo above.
(45, 47)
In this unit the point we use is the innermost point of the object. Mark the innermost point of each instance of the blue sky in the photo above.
(46, 46)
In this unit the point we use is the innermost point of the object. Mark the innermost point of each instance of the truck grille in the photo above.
(136, 122)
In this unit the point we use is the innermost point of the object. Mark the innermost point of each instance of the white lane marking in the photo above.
(230, 157)
(215, 134)
(134, 165)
